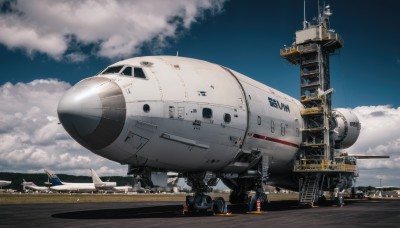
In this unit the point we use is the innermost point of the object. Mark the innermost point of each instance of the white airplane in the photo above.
(58, 185)
(202, 120)
(32, 186)
(4, 183)
(102, 185)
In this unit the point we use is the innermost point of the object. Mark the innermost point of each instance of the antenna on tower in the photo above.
(319, 13)
(327, 14)
(304, 21)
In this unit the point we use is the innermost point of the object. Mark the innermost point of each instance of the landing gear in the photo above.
(203, 204)
(259, 196)
(220, 206)
(239, 197)
(200, 203)
(239, 187)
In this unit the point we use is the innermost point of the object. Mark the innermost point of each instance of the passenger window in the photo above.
(227, 118)
(127, 71)
(138, 73)
(171, 111)
(283, 129)
(259, 120)
(207, 113)
(272, 126)
(146, 108)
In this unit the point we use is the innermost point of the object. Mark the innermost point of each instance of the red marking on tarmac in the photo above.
(257, 136)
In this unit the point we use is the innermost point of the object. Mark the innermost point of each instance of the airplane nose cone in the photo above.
(93, 112)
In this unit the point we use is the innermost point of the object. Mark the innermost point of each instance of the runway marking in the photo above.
(256, 212)
(227, 215)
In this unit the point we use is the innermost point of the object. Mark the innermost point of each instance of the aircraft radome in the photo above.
(199, 119)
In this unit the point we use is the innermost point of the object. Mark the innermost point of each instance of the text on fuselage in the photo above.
(279, 105)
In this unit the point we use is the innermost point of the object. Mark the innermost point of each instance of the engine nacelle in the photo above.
(346, 128)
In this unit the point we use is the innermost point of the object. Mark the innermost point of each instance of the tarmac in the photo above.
(355, 213)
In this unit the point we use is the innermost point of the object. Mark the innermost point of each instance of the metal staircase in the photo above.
(310, 190)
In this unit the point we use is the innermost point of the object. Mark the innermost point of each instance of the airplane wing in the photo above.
(369, 156)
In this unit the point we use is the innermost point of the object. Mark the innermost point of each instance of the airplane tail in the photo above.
(53, 178)
(96, 179)
(24, 183)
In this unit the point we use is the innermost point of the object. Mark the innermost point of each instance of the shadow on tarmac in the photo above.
(167, 211)
(125, 213)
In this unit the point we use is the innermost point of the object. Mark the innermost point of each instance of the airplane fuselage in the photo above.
(74, 187)
(189, 115)
(4, 183)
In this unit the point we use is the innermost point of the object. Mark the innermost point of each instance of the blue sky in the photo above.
(247, 36)
(58, 40)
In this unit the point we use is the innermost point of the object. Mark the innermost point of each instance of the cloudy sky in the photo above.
(47, 46)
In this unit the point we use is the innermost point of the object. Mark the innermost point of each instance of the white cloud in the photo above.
(31, 138)
(116, 28)
(16, 33)
(76, 57)
(379, 135)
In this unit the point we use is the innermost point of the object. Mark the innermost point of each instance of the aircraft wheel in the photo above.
(190, 202)
(219, 206)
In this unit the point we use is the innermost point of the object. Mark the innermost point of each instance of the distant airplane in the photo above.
(34, 187)
(4, 183)
(388, 188)
(98, 183)
(102, 185)
(58, 185)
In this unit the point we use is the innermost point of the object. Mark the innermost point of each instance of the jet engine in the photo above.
(346, 128)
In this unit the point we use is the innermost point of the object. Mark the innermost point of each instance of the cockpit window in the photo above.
(127, 71)
(136, 72)
(139, 73)
(112, 70)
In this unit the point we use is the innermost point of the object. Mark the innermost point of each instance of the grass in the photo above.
(92, 198)
(84, 198)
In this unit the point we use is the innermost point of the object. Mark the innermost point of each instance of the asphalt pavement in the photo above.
(356, 213)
